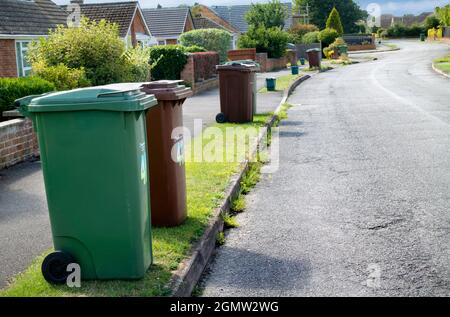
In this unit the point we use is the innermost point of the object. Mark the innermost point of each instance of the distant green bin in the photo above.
(343, 49)
(271, 83)
(93, 151)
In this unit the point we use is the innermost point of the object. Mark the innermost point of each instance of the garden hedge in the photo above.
(14, 88)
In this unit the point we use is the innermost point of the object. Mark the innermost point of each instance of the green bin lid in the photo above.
(116, 97)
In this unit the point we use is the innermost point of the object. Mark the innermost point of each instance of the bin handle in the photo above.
(117, 93)
(22, 103)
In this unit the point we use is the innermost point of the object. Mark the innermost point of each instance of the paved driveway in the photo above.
(361, 202)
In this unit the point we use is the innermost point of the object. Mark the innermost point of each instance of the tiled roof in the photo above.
(120, 13)
(166, 21)
(235, 15)
(205, 23)
(29, 17)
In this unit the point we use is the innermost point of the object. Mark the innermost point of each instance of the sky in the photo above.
(397, 7)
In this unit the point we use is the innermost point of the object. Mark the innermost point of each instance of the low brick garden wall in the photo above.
(17, 142)
(272, 64)
(236, 55)
(200, 71)
(362, 47)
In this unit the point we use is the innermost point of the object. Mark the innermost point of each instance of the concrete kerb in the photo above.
(186, 277)
(439, 71)
(374, 51)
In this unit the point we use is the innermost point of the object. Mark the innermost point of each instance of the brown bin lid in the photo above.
(167, 89)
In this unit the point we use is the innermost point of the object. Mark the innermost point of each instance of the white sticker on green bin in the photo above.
(144, 175)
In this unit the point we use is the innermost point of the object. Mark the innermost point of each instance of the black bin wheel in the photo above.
(54, 267)
(220, 118)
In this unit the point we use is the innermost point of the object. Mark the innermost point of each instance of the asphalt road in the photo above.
(360, 203)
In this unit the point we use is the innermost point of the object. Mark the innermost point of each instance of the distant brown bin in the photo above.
(167, 177)
(314, 55)
(236, 81)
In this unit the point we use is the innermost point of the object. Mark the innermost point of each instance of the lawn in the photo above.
(442, 63)
(282, 83)
(206, 184)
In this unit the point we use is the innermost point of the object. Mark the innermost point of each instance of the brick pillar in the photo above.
(8, 66)
(187, 74)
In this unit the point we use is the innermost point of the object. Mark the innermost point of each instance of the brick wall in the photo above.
(248, 53)
(17, 142)
(363, 47)
(200, 71)
(8, 67)
(271, 64)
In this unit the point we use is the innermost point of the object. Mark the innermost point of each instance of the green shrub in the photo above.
(327, 36)
(94, 46)
(400, 30)
(167, 61)
(299, 30)
(380, 32)
(63, 77)
(15, 88)
(272, 41)
(137, 61)
(211, 39)
(334, 21)
(194, 49)
(311, 37)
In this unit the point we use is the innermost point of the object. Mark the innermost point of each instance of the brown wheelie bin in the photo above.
(166, 155)
(314, 56)
(236, 80)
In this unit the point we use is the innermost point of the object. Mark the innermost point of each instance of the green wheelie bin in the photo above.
(94, 159)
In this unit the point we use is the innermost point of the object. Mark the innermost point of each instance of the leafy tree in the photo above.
(349, 10)
(272, 41)
(431, 22)
(268, 15)
(334, 21)
(443, 14)
(211, 39)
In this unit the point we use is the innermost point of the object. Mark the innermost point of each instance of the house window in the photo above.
(23, 67)
(163, 42)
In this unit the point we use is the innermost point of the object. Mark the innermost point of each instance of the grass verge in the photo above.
(282, 82)
(442, 63)
(206, 183)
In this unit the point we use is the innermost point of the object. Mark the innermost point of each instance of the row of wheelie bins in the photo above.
(109, 174)
(113, 168)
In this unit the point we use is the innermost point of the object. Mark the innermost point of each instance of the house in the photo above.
(235, 15)
(22, 21)
(205, 18)
(127, 15)
(167, 24)
(388, 20)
